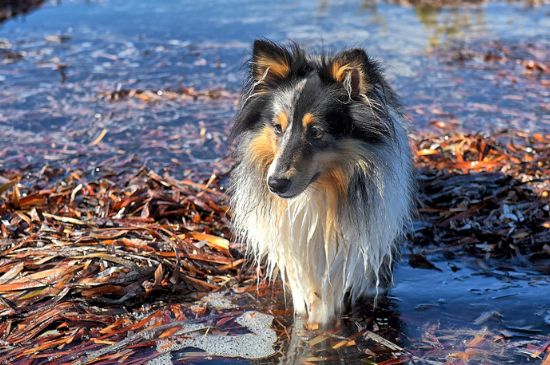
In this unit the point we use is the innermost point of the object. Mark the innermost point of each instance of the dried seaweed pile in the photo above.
(184, 94)
(88, 261)
(77, 257)
(431, 5)
(465, 346)
(512, 61)
(486, 198)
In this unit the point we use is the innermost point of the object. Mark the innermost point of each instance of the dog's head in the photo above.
(306, 115)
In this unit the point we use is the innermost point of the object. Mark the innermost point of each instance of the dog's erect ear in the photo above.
(270, 62)
(349, 68)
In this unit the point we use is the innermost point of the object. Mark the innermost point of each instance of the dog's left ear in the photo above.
(349, 68)
(270, 62)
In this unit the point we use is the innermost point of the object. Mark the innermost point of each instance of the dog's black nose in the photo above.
(278, 186)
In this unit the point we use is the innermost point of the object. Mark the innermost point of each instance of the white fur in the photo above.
(321, 260)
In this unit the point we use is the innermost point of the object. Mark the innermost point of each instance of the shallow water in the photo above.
(58, 63)
(454, 307)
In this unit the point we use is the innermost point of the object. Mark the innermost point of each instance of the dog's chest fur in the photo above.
(323, 244)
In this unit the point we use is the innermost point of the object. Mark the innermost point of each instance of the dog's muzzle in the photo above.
(278, 185)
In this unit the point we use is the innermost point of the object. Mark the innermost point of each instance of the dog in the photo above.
(323, 186)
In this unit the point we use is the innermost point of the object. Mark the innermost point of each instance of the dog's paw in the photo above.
(320, 313)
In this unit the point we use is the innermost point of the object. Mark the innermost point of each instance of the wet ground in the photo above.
(122, 84)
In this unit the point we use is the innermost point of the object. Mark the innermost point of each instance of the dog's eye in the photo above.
(316, 133)
(278, 129)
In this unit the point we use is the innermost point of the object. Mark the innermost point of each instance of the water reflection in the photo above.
(371, 9)
(366, 332)
(445, 25)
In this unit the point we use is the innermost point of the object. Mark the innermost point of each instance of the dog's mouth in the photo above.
(290, 195)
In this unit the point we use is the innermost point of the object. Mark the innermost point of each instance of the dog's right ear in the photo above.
(270, 62)
(349, 68)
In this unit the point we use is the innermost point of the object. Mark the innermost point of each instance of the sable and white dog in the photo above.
(324, 186)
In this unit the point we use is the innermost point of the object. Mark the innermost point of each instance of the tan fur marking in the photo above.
(263, 147)
(334, 183)
(337, 71)
(276, 67)
(335, 180)
(307, 119)
(282, 118)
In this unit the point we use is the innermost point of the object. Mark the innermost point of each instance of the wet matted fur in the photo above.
(324, 182)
